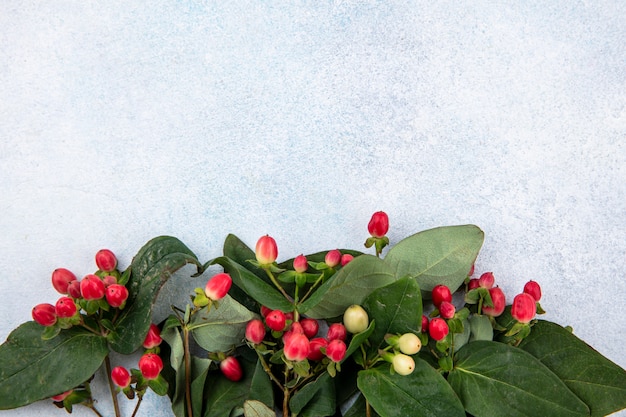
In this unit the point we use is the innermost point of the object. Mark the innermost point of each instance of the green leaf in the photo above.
(264, 293)
(33, 369)
(480, 328)
(397, 309)
(443, 255)
(253, 408)
(318, 257)
(238, 251)
(358, 408)
(221, 328)
(493, 378)
(600, 383)
(350, 285)
(316, 398)
(358, 339)
(153, 265)
(422, 393)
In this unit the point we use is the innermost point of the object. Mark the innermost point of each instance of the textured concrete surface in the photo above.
(122, 121)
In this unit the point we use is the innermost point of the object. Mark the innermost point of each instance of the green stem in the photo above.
(275, 282)
(315, 284)
(267, 369)
(93, 408)
(116, 406)
(139, 398)
(187, 371)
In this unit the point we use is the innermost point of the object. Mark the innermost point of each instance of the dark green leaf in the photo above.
(422, 393)
(150, 269)
(359, 338)
(316, 398)
(493, 378)
(350, 285)
(600, 383)
(33, 369)
(443, 255)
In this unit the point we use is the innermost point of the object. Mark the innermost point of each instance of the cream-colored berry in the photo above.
(409, 343)
(355, 319)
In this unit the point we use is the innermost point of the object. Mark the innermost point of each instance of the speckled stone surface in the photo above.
(120, 121)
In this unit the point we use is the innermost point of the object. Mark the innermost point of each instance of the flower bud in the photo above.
(153, 338)
(424, 323)
(486, 280)
(120, 376)
(231, 368)
(217, 287)
(441, 293)
(255, 331)
(44, 314)
(524, 308)
(498, 300)
(346, 258)
(92, 287)
(379, 224)
(61, 278)
(276, 320)
(336, 331)
(150, 365)
(534, 289)
(73, 289)
(446, 310)
(65, 307)
(315, 346)
(296, 347)
(355, 319)
(266, 250)
(62, 396)
(300, 264)
(403, 364)
(409, 344)
(438, 329)
(336, 350)
(310, 327)
(116, 295)
(106, 260)
(332, 258)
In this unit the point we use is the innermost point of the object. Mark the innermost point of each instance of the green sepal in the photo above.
(50, 332)
(159, 385)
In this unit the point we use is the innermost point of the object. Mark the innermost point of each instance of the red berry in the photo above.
(300, 264)
(473, 284)
(265, 311)
(315, 345)
(346, 258)
(65, 307)
(116, 295)
(92, 287)
(336, 331)
(61, 278)
(120, 376)
(498, 300)
(44, 314)
(441, 293)
(153, 338)
(533, 289)
(310, 327)
(524, 308)
(486, 280)
(217, 287)
(150, 365)
(296, 347)
(73, 289)
(106, 260)
(336, 350)
(332, 258)
(438, 329)
(255, 331)
(276, 320)
(266, 250)
(379, 224)
(424, 323)
(446, 310)
(231, 368)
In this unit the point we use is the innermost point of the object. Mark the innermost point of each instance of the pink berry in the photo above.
(346, 258)
(276, 320)
(473, 284)
(265, 311)
(44, 314)
(310, 327)
(217, 287)
(231, 368)
(266, 250)
(498, 300)
(300, 264)
(73, 289)
(297, 347)
(471, 271)
(486, 280)
(92, 287)
(446, 310)
(65, 307)
(336, 350)
(424, 323)
(441, 293)
(438, 329)
(333, 258)
(524, 308)
(255, 331)
(379, 224)
(315, 353)
(62, 396)
(153, 338)
(336, 331)
(109, 280)
(106, 260)
(61, 278)
(150, 365)
(534, 289)
(120, 377)
(116, 295)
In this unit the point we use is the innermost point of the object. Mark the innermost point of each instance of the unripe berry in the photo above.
(336, 350)
(44, 314)
(217, 287)
(231, 368)
(65, 307)
(378, 225)
(498, 300)
(336, 331)
(61, 278)
(62, 396)
(150, 365)
(266, 250)
(486, 280)
(315, 345)
(255, 331)
(403, 364)
(116, 295)
(310, 327)
(438, 329)
(153, 337)
(296, 347)
(332, 258)
(534, 289)
(447, 310)
(300, 264)
(424, 323)
(120, 376)
(346, 258)
(524, 308)
(106, 260)
(276, 320)
(441, 293)
(92, 287)
(73, 289)
(355, 319)
(409, 344)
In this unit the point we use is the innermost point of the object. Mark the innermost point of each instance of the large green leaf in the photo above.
(397, 309)
(350, 285)
(33, 369)
(221, 328)
(422, 393)
(495, 379)
(600, 383)
(153, 265)
(443, 255)
(315, 399)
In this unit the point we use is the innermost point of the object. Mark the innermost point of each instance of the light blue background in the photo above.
(120, 121)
